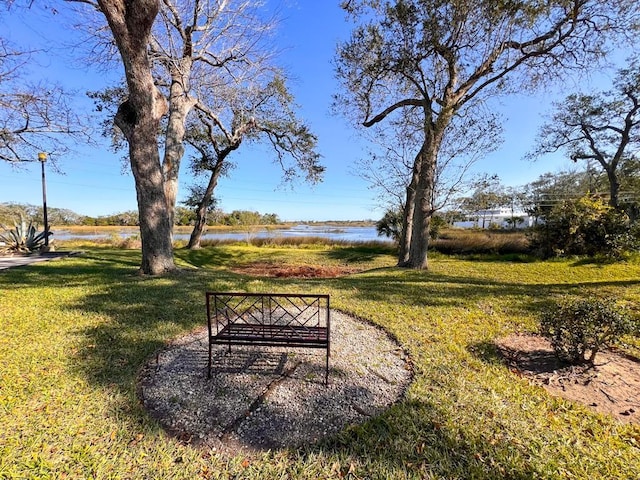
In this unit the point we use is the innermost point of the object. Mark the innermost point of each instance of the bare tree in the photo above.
(488, 194)
(388, 168)
(603, 127)
(436, 56)
(34, 117)
(199, 47)
(259, 113)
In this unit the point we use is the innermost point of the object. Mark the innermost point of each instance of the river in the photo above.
(339, 232)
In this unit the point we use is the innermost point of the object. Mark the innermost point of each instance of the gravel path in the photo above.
(268, 398)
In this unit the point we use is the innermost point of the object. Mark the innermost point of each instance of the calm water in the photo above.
(352, 234)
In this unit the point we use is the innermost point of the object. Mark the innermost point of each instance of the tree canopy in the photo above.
(601, 127)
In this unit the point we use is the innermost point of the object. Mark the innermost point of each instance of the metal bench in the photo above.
(268, 319)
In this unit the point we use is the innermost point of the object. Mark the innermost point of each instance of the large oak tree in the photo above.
(437, 56)
(214, 58)
(138, 117)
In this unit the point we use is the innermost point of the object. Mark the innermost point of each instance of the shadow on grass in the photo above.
(134, 316)
(360, 253)
(488, 352)
(411, 440)
(428, 289)
(206, 257)
(496, 257)
(535, 361)
(94, 267)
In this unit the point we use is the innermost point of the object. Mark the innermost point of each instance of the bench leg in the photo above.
(326, 371)
(209, 363)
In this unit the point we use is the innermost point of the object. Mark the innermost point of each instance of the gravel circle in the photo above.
(263, 398)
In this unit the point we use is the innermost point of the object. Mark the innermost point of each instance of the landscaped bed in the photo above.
(76, 333)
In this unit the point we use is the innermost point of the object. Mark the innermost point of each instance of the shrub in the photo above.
(391, 225)
(586, 226)
(579, 329)
(435, 227)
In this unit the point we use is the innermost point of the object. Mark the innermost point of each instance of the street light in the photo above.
(42, 158)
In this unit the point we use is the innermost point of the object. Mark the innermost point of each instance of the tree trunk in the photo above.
(201, 214)
(614, 188)
(139, 119)
(180, 104)
(423, 210)
(409, 207)
(155, 229)
(425, 168)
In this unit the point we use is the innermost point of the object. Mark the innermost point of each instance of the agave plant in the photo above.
(22, 238)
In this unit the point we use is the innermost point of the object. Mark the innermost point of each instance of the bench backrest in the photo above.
(296, 312)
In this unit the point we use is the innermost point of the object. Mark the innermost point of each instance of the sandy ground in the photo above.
(611, 387)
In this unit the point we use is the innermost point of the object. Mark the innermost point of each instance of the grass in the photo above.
(473, 241)
(75, 332)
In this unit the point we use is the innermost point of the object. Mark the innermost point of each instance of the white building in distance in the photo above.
(502, 217)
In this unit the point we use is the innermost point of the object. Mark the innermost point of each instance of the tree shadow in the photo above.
(206, 257)
(262, 398)
(532, 360)
(428, 289)
(359, 253)
(535, 361)
(411, 440)
(135, 317)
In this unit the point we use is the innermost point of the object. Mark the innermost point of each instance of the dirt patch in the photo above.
(611, 387)
(265, 269)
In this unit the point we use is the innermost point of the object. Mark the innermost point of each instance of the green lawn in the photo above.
(74, 333)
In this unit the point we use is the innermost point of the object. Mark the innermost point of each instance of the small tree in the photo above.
(390, 225)
(488, 195)
(260, 113)
(551, 189)
(514, 222)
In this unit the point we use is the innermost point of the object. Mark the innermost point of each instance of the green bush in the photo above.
(391, 224)
(586, 226)
(436, 226)
(579, 329)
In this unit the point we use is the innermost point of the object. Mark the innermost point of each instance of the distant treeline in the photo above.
(12, 212)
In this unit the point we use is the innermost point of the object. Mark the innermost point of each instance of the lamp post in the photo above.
(42, 158)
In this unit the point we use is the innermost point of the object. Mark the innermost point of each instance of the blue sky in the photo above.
(92, 182)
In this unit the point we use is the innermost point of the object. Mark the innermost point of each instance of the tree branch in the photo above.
(402, 103)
